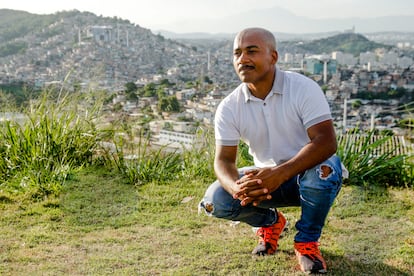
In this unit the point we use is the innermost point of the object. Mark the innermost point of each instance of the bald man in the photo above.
(286, 122)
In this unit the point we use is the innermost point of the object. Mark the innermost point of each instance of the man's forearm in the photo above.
(308, 157)
(227, 175)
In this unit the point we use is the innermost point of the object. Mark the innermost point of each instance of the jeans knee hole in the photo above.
(207, 206)
(324, 171)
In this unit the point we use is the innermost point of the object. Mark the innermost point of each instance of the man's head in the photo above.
(255, 55)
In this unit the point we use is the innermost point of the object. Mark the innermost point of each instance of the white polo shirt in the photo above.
(273, 128)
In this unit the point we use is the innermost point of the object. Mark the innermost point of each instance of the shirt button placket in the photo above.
(266, 113)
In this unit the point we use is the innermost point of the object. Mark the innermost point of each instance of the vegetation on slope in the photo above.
(78, 197)
(64, 133)
(348, 43)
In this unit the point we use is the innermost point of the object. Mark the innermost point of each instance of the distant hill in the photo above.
(277, 19)
(15, 24)
(45, 48)
(48, 47)
(316, 43)
(347, 42)
(312, 43)
(223, 36)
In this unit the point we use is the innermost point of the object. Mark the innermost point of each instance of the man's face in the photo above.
(252, 58)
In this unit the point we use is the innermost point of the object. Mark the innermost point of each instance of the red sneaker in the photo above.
(309, 257)
(268, 236)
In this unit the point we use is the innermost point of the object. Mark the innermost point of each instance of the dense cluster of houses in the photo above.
(107, 57)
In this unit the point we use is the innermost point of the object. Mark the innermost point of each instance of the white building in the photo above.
(405, 62)
(389, 59)
(367, 58)
(100, 33)
(177, 140)
(344, 58)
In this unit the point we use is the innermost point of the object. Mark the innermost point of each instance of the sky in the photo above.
(163, 14)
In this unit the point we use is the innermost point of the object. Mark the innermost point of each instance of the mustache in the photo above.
(243, 67)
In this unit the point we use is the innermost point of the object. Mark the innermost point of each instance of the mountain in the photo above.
(90, 48)
(280, 36)
(83, 49)
(280, 20)
(14, 24)
(321, 43)
(348, 43)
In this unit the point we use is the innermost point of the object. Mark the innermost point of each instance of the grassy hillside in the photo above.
(102, 226)
(73, 202)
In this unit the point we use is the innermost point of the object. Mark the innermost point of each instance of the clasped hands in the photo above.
(253, 187)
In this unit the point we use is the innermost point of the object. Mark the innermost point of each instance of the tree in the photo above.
(207, 80)
(131, 91)
(149, 90)
(166, 83)
(160, 93)
(356, 104)
(169, 104)
(130, 87)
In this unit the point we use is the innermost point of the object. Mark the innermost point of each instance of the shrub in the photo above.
(373, 162)
(56, 138)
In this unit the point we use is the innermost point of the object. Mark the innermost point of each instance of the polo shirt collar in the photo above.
(277, 87)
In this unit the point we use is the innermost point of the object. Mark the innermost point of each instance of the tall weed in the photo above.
(141, 162)
(198, 160)
(137, 160)
(371, 162)
(57, 137)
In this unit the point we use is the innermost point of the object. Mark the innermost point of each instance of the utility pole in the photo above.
(345, 113)
(325, 71)
(79, 37)
(127, 39)
(372, 121)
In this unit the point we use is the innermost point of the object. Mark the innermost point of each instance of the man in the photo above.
(285, 120)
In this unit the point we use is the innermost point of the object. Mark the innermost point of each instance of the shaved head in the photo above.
(254, 59)
(264, 34)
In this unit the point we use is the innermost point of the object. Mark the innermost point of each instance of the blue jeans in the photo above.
(314, 191)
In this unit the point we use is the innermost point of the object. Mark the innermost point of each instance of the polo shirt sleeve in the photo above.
(226, 131)
(314, 106)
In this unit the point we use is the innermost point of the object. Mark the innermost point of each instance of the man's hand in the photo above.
(251, 189)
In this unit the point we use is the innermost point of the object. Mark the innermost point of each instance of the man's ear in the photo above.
(275, 56)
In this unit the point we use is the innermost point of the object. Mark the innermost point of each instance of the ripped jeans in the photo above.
(314, 191)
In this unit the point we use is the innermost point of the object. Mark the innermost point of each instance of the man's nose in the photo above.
(242, 58)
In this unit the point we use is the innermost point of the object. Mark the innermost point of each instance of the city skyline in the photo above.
(183, 16)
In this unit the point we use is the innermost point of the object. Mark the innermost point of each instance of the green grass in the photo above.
(55, 140)
(71, 206)
(99, 225)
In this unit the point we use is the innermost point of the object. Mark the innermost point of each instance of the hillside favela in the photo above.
(109, 161)
(367, 83)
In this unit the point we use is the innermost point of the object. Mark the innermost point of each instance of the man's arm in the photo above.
(225, 167)
(322, 145)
